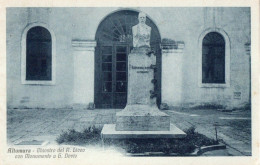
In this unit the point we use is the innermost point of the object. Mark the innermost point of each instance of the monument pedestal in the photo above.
(141, 117)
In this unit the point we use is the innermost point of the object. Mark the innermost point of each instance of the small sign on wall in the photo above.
(237, 95)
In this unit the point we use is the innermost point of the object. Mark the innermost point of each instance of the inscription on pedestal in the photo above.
(141, 69)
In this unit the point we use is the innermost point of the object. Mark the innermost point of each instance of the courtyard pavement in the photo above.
(234, 128)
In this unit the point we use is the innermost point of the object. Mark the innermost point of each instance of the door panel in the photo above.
(112, 84)
(105, 95)
(120, 91)
(120, 100)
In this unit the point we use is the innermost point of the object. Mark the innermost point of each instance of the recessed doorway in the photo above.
(114, 43)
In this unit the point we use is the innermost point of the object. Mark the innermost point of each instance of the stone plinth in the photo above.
(142, 118)
(109, 132)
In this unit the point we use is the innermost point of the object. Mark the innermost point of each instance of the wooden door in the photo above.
(120, 76)
(112, 81)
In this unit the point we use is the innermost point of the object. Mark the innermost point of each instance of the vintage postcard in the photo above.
(115, 82)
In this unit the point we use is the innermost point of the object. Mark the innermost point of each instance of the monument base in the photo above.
(109, 132)
(140, 117)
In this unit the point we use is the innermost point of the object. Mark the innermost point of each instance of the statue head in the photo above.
(142, 17)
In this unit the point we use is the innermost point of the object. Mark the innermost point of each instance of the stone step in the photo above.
(109, 132)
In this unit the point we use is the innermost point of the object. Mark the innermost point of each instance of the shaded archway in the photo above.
(114, 43)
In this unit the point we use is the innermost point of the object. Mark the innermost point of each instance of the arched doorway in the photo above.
(114, 43)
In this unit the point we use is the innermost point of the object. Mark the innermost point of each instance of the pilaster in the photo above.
(172, 66)
(84, 63)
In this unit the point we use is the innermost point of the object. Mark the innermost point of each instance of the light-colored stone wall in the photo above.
(235, 22)
(179, 24)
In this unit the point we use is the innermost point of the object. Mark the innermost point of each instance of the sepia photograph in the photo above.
(135, 82)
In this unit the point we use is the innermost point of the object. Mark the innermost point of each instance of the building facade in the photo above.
(77, 57)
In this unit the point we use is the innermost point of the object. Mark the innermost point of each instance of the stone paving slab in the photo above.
(234, 132)
(47, 124)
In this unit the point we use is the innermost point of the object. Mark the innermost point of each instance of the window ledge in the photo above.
(30, 82)
(212, 85)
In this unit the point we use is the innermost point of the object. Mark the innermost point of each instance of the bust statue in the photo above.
(141, 32)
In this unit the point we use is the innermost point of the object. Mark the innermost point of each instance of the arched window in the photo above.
(213, 58)
(38, 54)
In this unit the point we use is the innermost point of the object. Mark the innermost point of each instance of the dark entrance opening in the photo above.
(114, 43)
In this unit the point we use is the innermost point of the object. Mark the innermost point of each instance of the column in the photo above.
(172, 63)
(84, 65)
